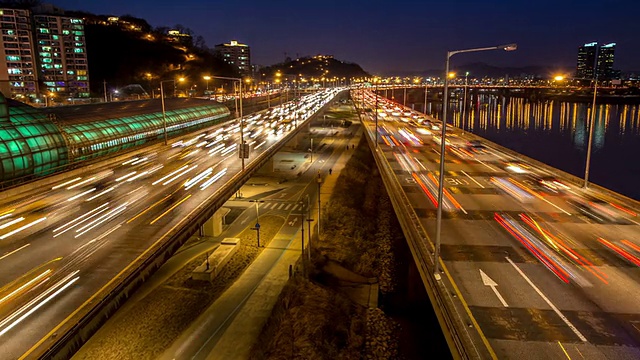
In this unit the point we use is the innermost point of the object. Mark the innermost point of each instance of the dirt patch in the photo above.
(312, 319)
(152, 324)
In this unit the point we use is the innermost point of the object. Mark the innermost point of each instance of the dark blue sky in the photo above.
(385, 36)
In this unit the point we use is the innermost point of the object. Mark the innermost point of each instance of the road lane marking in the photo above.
(14, 251)
(485, 341)
(149, 208)
(564, 350)
(472, 179)
(553, 307)
(487, 165)
(487, 281)
(554, 205)
(171, 208)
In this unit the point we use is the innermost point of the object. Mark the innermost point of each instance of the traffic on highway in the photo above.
(547, 244)
(61, 244)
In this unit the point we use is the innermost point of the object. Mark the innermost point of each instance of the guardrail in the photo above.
(125, 284)
(447, 311)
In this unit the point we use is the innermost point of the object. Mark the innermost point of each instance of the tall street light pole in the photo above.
(508, 47)
(464, 102)
(425, 96)
(164, 113)
(207, 78)
(239, 80)
(376, 111)
(593, 119)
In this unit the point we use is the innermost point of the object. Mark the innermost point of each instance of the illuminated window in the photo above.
(13, 58)
(77, 50)
(43, 31)
(65, 32)
(70, 72)
(82, 72)
(55, 37)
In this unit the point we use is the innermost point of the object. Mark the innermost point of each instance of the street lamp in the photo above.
(508, 47)
(375, 81)
(242, 144)
(164, 114)
(592, 119)
(207, 78)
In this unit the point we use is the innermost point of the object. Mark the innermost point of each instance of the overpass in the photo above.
(532, 265)
(76, 245)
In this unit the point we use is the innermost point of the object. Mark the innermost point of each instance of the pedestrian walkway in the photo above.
(231, 325)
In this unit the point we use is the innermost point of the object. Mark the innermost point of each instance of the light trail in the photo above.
(79, 218)
(65, 183)
(171, 208)
(22, 228)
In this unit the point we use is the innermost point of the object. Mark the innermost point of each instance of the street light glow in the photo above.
(207, 77)
(558, 78)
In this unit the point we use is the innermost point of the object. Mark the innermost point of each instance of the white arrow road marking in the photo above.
(292, 222)
(487, 281)
(553, 307)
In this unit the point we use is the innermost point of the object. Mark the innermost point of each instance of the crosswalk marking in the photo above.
(288, 206)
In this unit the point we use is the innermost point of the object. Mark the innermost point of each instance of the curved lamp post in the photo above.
(508, 47)
(164, 115)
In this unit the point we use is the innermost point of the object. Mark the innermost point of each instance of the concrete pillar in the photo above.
(269, 167)
(415, 287)
(213, 226)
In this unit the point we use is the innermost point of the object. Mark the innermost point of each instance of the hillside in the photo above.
(319, 66)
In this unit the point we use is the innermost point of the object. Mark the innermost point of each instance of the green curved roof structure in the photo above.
(35, 142)
(30, 143)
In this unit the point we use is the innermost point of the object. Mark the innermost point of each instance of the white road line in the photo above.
(554, 205)
(288, 206)
(472, 179)
(14, 251)
(280, 207)
(553, 307)
(487, 165)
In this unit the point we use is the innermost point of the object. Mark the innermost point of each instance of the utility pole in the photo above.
(104, 82)
(309, 220)
(319, 203)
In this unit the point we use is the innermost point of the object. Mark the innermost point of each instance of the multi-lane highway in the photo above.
(544, 268)
(61, 245)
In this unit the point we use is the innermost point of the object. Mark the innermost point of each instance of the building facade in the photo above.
(42, 56)
(18, 76)
(236, 54)
(62, 55)
(592, 56)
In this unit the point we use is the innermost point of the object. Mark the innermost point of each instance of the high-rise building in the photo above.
(17, 68)
(42, 54)
(62, 55)
(236, 54)
(604, 63)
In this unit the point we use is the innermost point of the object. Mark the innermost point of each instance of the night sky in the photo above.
(388, 36)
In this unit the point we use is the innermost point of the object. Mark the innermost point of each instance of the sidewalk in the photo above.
(231, 325)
